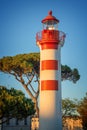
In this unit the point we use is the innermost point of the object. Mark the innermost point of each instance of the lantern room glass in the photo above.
(50, 25)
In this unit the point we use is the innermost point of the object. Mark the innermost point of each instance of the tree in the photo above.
(69, 74)
(25, 69)
(82, 108)
(69, 109)
(14, 104)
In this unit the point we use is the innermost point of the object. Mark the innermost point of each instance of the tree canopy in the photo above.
(25, 68)
(75, 108)
(82, 108)
(14, 104)
(68, 107)
(69, 74)
(25, 64)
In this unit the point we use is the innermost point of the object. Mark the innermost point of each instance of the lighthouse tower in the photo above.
(50, 41)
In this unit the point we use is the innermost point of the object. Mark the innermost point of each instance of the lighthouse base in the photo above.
(49, 119)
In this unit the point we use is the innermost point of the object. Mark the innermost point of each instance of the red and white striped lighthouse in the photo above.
(50, 41)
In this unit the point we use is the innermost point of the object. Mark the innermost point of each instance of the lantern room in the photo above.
(50, 22)
(50, 32)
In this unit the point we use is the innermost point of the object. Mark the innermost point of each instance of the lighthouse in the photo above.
(50, 41)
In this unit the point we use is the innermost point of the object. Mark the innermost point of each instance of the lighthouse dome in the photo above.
(50, 18)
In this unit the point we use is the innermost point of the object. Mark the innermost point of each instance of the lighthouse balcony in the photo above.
(50, 36)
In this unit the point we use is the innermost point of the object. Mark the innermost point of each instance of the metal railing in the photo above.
(47, 35)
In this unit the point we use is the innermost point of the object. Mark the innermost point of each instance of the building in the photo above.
(71, 123)
(15, 124)
(32, 123)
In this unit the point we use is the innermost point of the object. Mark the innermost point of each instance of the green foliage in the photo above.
(82, 108)
(13, 103)
(20, 64)
(69, 74)
(75, 108)
(25, 68)
(27, 63)
(69, 107)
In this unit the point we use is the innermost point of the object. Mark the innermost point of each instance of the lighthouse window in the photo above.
(50, 25)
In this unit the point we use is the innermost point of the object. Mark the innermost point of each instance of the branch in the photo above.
(29, 92)
(32, 88)
(16, 77)
(21, 80)
(37, 93)
(31, 78)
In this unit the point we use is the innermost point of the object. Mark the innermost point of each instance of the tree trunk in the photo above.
(36, 106)
(34, 99)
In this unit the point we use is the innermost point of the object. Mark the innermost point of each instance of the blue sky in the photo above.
(20, 20)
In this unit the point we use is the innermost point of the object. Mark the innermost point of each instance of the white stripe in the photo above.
(49, 54)
(48, 110)
(49, 75)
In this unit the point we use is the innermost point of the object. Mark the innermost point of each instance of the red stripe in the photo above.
(49, 85)
(49, 65)
(49, 46)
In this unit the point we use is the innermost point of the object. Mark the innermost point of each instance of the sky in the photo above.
(20, 20)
